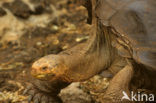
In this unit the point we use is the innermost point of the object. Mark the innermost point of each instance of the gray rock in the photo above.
(73, 94)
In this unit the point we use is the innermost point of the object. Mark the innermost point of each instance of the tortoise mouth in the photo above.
(44, 76)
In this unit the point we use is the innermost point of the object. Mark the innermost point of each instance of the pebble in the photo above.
(71, 27)
(39, 43)
(80, 39)
(55, 27)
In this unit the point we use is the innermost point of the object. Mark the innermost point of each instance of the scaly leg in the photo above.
(119, 85)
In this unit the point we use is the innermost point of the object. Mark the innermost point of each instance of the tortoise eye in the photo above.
(44, 68)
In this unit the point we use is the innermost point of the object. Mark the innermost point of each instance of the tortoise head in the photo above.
(48, 67)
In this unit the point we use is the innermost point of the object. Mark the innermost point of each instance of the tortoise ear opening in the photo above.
(88, 5)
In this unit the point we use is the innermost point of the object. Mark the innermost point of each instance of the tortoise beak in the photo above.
(35, 73)
(41, 76)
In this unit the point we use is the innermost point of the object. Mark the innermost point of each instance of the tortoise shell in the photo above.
(135, 23)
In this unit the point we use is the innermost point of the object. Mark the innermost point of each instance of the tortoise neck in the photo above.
(100, 44)
(101, 39)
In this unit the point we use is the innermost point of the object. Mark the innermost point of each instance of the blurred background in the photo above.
(30, 29)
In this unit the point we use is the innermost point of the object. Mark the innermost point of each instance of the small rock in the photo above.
(18, 8)
(55, 27)
(71, 27)
(65, 46)
(42, 6)
(39, 9)
(2, 12)
(55, 42)
(39, 43)
(81, 39)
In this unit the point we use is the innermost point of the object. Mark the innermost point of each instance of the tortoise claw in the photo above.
(37, 98)
(30, 98)
(31, 92)
(27, 89)
(36, 101)
(44, 99)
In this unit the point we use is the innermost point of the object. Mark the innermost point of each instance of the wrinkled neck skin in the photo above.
(90, 58)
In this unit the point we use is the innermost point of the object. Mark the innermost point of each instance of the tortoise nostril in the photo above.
(33, 70)
(44, 68)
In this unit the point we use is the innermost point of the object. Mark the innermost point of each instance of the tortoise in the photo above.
(122, 42)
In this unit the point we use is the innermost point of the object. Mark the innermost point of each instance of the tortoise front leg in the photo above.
(119, 85)
(43, 91)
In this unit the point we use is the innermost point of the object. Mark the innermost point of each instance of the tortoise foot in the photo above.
(115, 97)
(37, 96)
(118, 90)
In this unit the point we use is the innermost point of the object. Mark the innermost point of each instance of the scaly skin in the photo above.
(82, 62)
(68, 65)
(44, 91)
(76, 64)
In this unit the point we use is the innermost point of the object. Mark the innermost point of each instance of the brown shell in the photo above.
(135, 21)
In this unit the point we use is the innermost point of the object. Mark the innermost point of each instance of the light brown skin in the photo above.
(76, 64)
(85, 60)
(81, 62)
(89, 58)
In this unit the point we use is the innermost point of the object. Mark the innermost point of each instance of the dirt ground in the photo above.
(30, 29)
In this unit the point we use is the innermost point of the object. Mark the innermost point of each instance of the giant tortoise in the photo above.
(123, 41)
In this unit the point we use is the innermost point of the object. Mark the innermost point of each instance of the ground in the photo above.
(30, 29)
